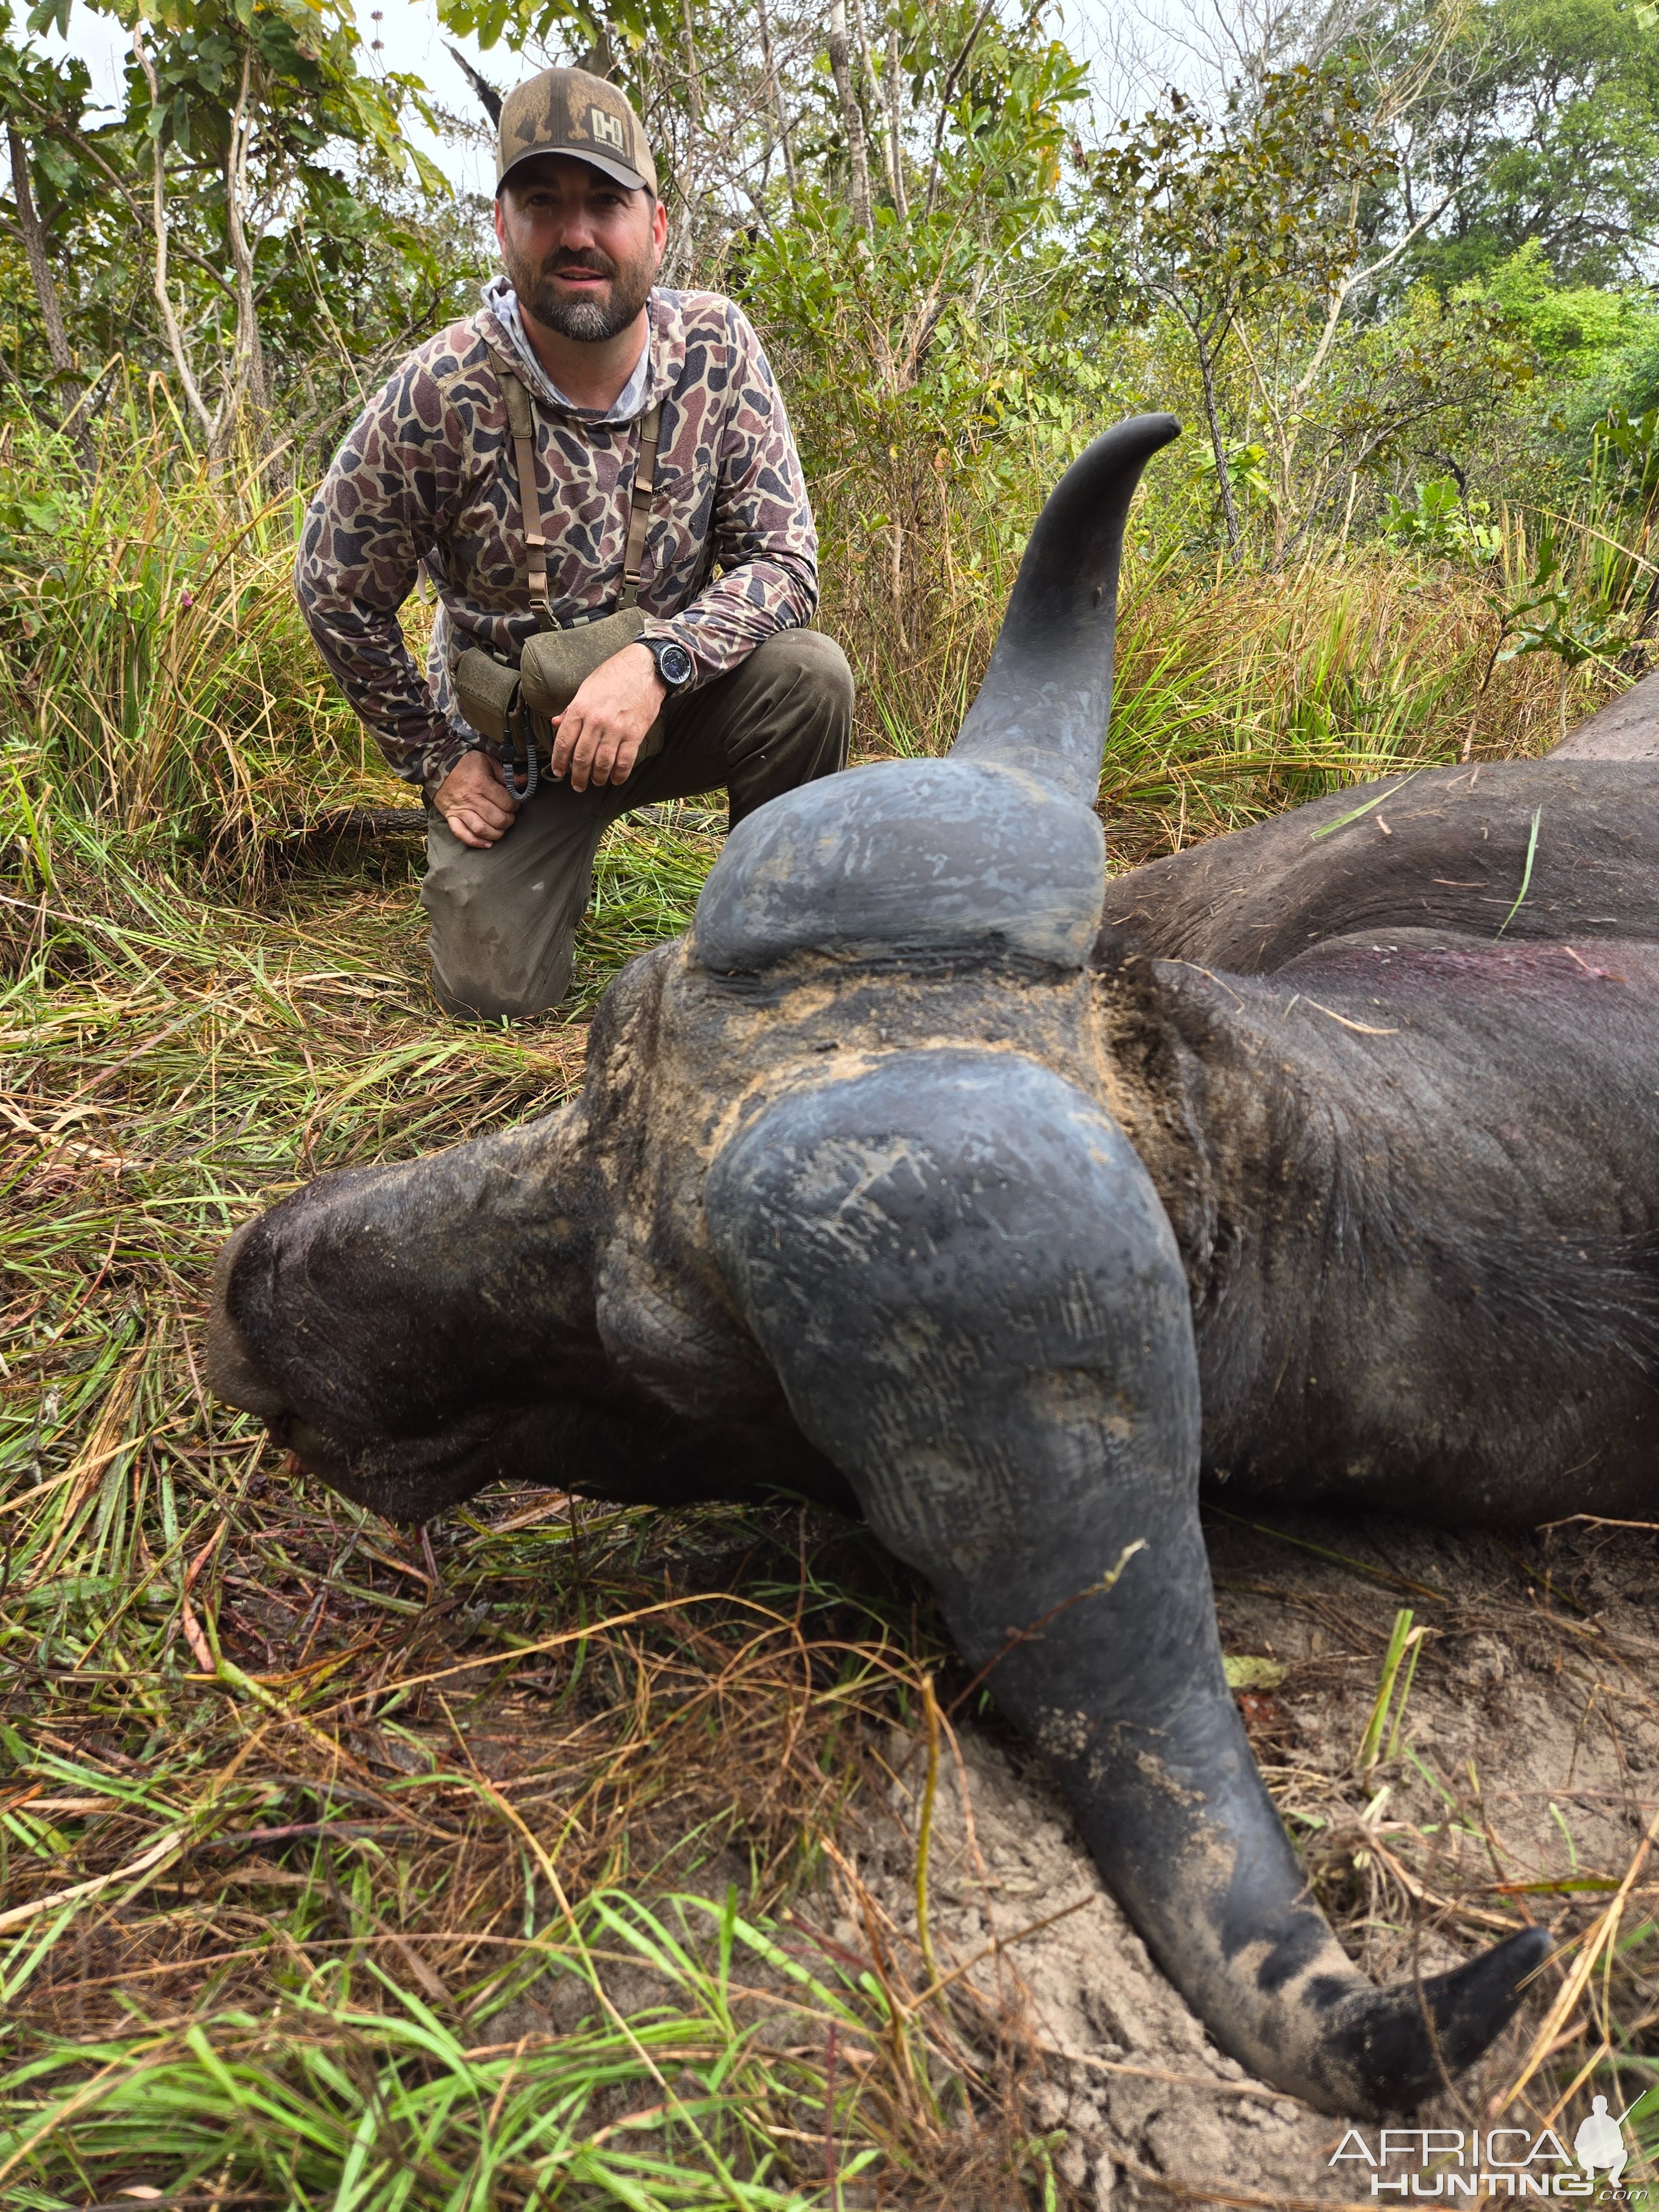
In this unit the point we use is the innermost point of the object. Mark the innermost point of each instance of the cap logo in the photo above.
(566, 111)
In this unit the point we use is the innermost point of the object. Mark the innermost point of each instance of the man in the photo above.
(723, 672)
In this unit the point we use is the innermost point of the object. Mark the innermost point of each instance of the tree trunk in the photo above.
(895, 129)
(175, 337)
(1218, 444)
(872, 98)
(850, 115)
(248, 371)
(693, 74)
(775, 94)
(65, 373)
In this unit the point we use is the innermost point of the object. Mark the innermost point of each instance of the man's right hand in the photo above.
(472, 798)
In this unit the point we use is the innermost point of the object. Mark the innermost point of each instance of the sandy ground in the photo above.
(1528, 1755)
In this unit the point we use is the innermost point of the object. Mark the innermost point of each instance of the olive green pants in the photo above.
(504, 920)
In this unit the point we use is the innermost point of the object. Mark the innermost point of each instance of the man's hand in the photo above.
(472, 798)
(598, 738)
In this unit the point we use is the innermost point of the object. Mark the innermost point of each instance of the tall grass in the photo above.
(1266, 689)
(155, 677)
(157, 684)
(1238, 690)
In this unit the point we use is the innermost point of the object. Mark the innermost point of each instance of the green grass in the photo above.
(396, 2106)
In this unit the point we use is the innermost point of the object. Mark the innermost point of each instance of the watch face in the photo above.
(674, 664)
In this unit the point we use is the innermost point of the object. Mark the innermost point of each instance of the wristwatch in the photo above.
(674, 664)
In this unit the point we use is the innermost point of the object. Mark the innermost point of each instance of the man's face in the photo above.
(580, 251)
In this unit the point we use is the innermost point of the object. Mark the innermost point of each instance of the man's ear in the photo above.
(501, 226)
(659, 227)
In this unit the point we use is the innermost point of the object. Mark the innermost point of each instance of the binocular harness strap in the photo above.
(639, 506)
(521, 422)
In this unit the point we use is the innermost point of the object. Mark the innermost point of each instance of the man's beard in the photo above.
(589, 321)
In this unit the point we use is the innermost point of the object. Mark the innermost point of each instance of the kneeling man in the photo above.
(644, 459)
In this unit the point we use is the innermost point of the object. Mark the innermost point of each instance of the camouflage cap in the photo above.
(566, 111)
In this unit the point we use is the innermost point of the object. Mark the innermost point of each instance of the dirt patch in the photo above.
(1518, 1788)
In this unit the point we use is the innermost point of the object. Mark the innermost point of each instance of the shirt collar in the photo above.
(502, 303)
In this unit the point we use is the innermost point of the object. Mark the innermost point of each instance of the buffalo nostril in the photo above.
(311, 1452)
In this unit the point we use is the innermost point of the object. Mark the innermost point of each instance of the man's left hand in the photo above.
(598, 738)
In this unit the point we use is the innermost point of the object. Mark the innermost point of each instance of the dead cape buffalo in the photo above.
(912, 1181)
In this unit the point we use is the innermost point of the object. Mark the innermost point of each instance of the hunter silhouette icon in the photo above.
(1600, 2141)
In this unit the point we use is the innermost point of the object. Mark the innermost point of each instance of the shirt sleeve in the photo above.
(764, 539)
(382, 507)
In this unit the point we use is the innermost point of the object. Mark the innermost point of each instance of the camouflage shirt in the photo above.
(426, 474)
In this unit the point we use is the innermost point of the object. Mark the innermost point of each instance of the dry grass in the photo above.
(1238, 696)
